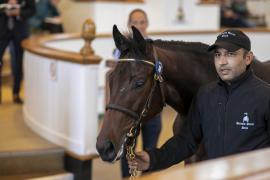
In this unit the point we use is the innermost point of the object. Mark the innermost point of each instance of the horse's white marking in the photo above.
(122, 89)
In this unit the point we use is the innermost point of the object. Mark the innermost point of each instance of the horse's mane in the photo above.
(186, 46)
(172, 45)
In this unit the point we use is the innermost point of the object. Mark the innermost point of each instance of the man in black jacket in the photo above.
(14, 29)
(231, 115)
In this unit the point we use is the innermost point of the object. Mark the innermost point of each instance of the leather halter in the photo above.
(134, 131)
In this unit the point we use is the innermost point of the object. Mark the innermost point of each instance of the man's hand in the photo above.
(230, 14)
(14, 10)
(12, 2)
(141, 161)
(54, 20)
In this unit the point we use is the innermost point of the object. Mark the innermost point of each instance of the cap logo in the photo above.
(226, 34)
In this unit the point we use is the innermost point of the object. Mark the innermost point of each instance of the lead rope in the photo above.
(131, 154)
(132, 133)
(130, 147)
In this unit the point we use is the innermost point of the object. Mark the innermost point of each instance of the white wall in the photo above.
(74, 14)
(162, 15)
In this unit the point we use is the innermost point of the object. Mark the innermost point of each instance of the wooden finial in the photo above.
(88, 34)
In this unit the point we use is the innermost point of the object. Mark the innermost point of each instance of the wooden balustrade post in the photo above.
(82, 167)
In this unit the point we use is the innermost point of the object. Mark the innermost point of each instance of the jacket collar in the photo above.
(237, 81)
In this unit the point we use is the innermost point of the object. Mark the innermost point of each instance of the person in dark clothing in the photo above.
(47, 17)
(234, 14)
(14, 29)
(231, 115)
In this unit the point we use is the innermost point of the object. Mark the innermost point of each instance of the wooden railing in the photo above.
(248, 166)
(36, 45)
(182, 32)
(125, 1)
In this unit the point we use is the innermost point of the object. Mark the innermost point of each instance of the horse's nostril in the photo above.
(106, 151)
(108, 146)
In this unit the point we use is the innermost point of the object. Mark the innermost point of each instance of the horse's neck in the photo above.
(261, 69)
(184, 74)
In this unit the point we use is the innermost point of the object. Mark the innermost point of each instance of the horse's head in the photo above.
(135, 95)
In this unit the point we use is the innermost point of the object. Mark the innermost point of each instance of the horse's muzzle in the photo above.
(106, 151)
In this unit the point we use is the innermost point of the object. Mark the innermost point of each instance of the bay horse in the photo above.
(148, 75)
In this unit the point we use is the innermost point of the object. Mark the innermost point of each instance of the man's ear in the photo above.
(249, 58)
(138, 38)
(121, 42)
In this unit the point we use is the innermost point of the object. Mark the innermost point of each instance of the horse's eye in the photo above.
(139, 83)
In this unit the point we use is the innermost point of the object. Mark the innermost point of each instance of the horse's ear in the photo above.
(120, 40)
(137, 37)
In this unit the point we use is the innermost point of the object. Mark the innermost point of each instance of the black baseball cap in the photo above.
(231, 40)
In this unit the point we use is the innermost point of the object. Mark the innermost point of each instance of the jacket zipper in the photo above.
(225, 122)
(224, 127)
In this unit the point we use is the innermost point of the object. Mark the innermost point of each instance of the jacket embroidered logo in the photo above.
(245, 122)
